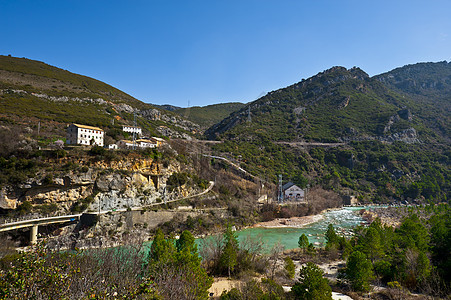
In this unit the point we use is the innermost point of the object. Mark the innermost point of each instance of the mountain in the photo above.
(346, 131)
(429, 85)
(209, 115)
(432, 80)
(333, 106)
(168, 107)
(32, 91)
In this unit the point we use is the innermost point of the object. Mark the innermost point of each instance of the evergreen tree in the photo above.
(312, 285)
(441, 244)
(371, 244)
(412, 234)
(303, 242)
(290, 268)
(331, 236)
(423, 267)
(359, 271)
(186, 241)
(161, 250)
(229, 253)
(177, 270)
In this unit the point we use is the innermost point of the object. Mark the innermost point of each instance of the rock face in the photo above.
(156, 115)
(408, 136)
(5, 202)
(103, 185)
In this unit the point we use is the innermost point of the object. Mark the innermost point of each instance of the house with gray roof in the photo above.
(292, 192)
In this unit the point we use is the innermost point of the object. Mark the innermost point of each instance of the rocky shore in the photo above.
(296, 222)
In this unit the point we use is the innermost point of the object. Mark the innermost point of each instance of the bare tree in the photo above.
(274, 259)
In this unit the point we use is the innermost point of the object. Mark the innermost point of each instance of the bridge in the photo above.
(35, 223)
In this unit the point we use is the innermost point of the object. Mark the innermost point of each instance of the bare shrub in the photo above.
(10, 138)
(320, 199)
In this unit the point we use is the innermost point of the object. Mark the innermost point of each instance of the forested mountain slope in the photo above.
(332, 106)
(429, 86)
(393, 145)
(209, 115)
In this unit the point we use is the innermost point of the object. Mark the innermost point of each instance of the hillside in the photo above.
(38, 176)
(32, 91)
(429, 85)
(209, 115)
(389, 151)
(335, 105)
(392, 143)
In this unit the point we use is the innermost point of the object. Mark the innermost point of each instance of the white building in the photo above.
(77, 134)
(292, 192)
(141, 143)
(132, 129)
(125, 144)
(158, 141)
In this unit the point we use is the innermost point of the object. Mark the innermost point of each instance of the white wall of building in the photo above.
(83, 135)
(294, 193)
(132, 129)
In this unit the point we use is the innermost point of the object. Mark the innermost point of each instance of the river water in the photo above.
(343, 220)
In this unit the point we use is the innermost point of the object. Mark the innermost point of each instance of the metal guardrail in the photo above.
(37, 221)
(5, 220)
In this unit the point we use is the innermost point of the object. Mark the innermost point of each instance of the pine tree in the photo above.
(230, 251)
(359, 271)
(312, 285)
(331, 236)
(303, 242)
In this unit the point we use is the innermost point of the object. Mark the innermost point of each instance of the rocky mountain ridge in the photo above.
(429, 85)
(336, 105)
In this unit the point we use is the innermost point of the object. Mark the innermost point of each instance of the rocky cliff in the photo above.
(98, 184)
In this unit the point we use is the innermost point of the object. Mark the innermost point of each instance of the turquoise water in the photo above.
(343, 221)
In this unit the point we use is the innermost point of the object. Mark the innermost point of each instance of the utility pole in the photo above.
(188, 110)
(164, 195)
(280, 194)
(134, 130)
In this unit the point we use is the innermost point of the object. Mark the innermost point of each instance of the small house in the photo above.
(350, 200)
(140, 143)
(144, 143)
(292, 192)
(124, 144)
(158, 141)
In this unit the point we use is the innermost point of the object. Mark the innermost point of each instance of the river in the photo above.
(343, 221)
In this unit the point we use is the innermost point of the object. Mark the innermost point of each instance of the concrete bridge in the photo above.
(35, 223)
(87, 218)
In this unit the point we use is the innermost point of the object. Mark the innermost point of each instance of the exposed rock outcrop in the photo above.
(156, 115)
(130, 182)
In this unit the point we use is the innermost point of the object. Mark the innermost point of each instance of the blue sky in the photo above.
(205, 52)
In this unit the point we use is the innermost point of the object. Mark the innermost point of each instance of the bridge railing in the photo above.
(18, 218)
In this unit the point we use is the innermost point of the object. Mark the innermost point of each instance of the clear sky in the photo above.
(209, 51)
